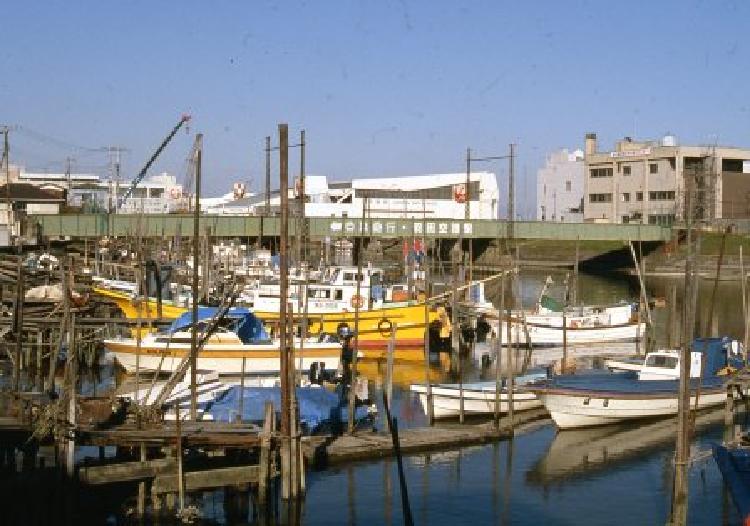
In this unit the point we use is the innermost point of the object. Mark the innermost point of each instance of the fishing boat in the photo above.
(479, 397)
(584, 400)
(328, 305)
(239, 345)
(550, 323)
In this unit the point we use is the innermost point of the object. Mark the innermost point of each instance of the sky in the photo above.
(381, 88)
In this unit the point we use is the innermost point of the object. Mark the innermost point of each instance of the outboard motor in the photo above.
(314, 373)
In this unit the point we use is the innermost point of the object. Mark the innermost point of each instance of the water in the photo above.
(611, 475)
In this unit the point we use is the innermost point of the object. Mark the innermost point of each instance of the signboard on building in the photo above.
(631, 153)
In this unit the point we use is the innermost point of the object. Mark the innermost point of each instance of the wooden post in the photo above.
(428, 383)
(574, 299)
(63, 325)
(196, 284)
(241, 402)
(729, 414)
(142, 486)
(389, 362)
(70, 444)
(38, 383)
(180, 472)
(19, 326)
(745, 310)
(564, 364)
(709, 319)
(357, 305)
(498, 353)
(265, 456)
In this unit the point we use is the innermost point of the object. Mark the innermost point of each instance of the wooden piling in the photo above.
(198, 148)
(498, 353)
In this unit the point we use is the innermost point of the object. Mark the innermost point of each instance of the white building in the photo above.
(431, 196)
(560, 188)
(154, 194)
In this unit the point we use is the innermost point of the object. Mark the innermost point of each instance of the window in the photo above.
(653, 168)
(661, 195)
(601, 172)
(626, 170)
(626, 197)
(338, 294)
(658, 360)
(639, 196)
(567, 186)
(626, 219)
(661, 219)
(600, 198)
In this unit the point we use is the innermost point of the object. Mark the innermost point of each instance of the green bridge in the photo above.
(158, 225)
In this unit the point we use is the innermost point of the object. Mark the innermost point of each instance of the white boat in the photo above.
(590, 400)
(241, 345)
(543, 326)
(479, 398)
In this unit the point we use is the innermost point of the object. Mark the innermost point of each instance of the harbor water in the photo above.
(609, 475)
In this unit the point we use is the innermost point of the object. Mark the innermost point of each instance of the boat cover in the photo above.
(317, 406)
(734, 465)
(246, 324)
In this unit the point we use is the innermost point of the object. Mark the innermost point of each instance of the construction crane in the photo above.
(138, 178)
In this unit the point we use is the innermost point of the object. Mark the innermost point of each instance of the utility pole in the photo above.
(196, 259)
(6, 158)
(467, 205)
(268, 176)
(302, 224)
(284, 344)
(511, 189)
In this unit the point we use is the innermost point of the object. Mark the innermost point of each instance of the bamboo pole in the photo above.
(196, 284)
(743, 289)
(357, 305)
(498, 355)
(428, 383)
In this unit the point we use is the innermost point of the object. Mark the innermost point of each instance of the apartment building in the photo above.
(559, 187)
(645, 181)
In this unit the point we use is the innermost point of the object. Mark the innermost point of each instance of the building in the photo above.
(559, 188)
(646, 181)
(89, 192)
(432, 196)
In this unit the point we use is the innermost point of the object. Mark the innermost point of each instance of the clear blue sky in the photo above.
(382, 87)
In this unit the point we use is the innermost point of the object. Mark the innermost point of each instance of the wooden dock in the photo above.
(322, 451)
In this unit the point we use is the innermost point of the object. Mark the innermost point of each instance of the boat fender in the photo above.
(574, 324)
(384, 326)
(357, 302)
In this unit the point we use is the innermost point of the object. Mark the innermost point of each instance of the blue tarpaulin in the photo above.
(317, 406)
(247, 326)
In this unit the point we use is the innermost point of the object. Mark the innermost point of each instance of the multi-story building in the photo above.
(646, 181)
(559, 188)
(431, 196)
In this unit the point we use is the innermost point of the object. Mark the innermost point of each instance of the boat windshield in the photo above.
(660, 360)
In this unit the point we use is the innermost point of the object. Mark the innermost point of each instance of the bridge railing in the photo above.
(155, 225)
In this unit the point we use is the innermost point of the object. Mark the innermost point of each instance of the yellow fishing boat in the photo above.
(374, 324)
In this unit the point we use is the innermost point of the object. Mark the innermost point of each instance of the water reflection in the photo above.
(583, 452)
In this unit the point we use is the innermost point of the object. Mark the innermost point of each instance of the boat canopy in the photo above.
(551, 304)
(240, 320)
(718, 353)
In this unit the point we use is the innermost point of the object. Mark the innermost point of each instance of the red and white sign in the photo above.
(238, 190)
(459, 193)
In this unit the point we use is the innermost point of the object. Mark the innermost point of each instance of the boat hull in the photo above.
(447, 403)
(552, 336)
(374, 325)
(224, 359)
(572, 409)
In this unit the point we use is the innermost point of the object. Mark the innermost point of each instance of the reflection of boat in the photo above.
(405, 373)
(579, 452)
(597, 399)
(479, 397)
(241, 337)
(734, 464)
